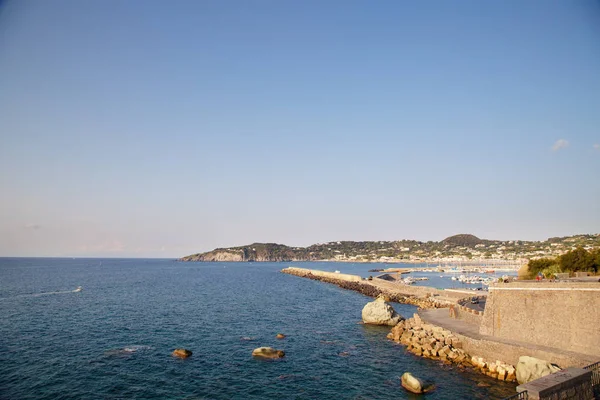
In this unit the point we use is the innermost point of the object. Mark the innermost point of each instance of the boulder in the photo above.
(379, 312)
(530, 368)
(415, 385)
(280, 336)
(181, 353)
(267, 352)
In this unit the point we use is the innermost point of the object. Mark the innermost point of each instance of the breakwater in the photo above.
(426, 299)
(460, 335)
(430, 341)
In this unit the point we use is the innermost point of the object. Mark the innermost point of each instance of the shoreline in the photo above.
(419, 338)
(453, 336)
(499, 264)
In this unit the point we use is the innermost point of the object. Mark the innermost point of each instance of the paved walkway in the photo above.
(420, 291)
(441, 317)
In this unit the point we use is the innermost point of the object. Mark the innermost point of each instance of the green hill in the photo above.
(463, 247)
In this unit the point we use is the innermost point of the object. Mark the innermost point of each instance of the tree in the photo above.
(595, 254)
(537, 266)
(577, 260)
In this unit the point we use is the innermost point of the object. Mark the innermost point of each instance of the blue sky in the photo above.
(153, 128)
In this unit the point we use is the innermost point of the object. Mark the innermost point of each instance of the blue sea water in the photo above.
(113, 340)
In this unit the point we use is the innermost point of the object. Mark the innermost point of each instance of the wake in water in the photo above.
(128, 350)
(79, 289)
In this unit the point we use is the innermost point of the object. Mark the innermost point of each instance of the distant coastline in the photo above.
(464, 249)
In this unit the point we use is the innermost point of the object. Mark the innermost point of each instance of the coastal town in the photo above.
(465, 249)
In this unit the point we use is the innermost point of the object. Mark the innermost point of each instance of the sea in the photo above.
(114, 338)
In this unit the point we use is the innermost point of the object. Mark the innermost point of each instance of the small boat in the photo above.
(79, 289)
(337, 272)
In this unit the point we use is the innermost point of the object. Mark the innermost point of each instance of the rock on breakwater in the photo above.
(437, 343)
(379, 312)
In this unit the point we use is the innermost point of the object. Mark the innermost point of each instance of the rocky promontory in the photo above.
(260, 252)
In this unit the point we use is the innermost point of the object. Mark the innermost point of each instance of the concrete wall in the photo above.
(508, 353)
(332, 275)
(466, 314)
(555, 314)
(568, 384)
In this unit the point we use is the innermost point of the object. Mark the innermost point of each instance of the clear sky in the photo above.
(164, 128)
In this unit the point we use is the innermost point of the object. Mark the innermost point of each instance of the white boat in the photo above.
(79, 289)
(336, 271)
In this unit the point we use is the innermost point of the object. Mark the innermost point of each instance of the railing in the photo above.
(595, 368)
(519, 396)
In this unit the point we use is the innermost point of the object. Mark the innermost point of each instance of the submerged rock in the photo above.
(415, 385)
(379, 312)
(267, 352)
(181, 353)
(530, 368)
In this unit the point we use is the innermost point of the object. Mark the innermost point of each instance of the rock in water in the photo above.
(415, 385)
(182, 353)
(379, 312)
(267, 352)
(280, 336)
(530, 368)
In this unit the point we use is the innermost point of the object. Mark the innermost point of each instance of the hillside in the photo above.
(461, 247)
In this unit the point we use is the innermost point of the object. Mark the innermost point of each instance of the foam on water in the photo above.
(43, 294)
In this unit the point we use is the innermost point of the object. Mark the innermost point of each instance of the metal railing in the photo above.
(595, 368)
(519, 396)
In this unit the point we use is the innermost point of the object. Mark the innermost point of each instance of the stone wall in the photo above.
(564, 315)
(466, 314)
(491, 350)
(568, 384)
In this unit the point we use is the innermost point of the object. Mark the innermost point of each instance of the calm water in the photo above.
(114, 339)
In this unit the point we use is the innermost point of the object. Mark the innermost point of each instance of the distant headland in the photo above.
(458, 248)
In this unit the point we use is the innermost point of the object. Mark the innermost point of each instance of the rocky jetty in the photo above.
(530, 368)
(437, 343)
(379, 312)
(267, 352)
(372, 291)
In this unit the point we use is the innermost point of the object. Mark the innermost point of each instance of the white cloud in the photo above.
(560, 144)
(33, 226)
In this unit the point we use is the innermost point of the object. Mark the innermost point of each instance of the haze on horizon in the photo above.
(157, 129)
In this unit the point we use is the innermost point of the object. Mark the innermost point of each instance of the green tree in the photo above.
(577, 260)
(539, 265)
(595, 254)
